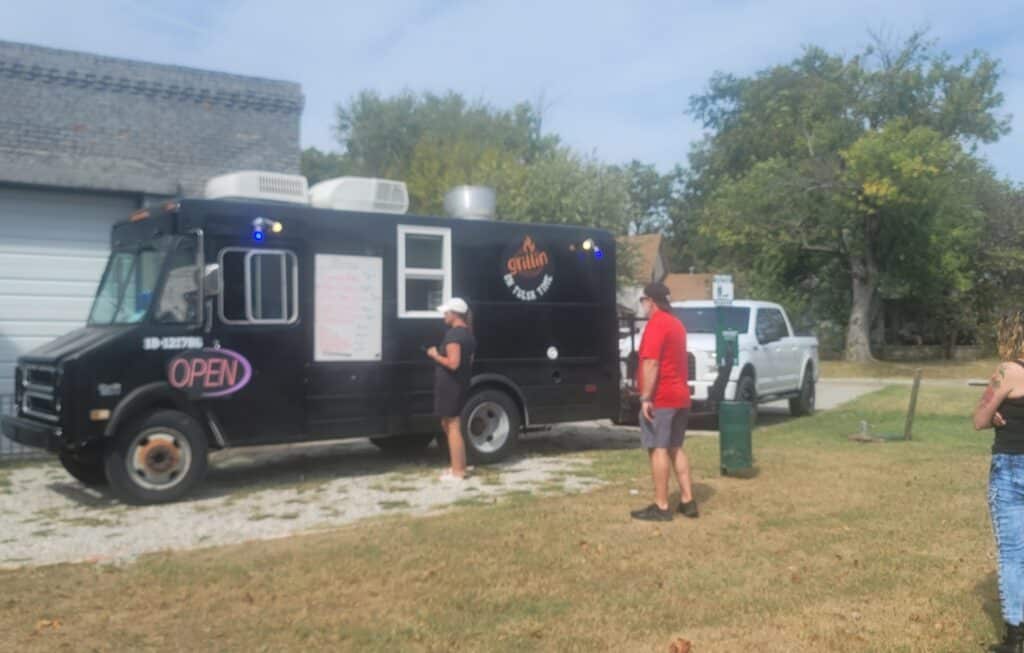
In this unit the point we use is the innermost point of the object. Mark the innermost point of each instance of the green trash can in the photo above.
(735, 424)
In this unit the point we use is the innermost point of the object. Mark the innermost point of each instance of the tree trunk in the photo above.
(858, 342)
(864, 275)
(877, 321)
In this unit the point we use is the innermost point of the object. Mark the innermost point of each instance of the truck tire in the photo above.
(86, 468)
(746, 390)
(804, 404)
(404, 443)
(490, 426)
(157, 459)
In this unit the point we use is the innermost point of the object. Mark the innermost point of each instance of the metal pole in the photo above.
(908, 430)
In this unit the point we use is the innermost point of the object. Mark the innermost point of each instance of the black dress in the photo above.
(451, 388)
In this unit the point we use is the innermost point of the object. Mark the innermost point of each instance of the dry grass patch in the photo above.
(952, 370)
(832, 546)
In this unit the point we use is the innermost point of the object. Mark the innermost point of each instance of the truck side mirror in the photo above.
(211, 279)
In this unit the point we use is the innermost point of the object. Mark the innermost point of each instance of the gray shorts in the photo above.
(667, 431)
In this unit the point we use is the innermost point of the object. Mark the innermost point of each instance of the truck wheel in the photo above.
(157, 459)
(490, 426)
(404, 443)
(87, 468)
(746, 390)
(804, 404)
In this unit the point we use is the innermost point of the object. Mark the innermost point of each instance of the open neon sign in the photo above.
(209, 373)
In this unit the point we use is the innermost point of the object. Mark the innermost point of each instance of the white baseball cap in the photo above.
(454, 305)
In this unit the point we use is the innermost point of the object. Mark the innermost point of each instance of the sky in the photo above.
(614, 78)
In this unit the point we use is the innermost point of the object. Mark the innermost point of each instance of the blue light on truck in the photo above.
(260, 226)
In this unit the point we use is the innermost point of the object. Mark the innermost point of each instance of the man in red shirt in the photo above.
(665, 394)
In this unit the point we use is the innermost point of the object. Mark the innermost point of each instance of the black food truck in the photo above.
(234, 322)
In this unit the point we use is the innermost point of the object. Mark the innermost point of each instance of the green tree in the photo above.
(380, 134)
(317, 165)
(650, 195)
(832, 173)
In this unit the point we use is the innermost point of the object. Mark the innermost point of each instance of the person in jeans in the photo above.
(665, 403)
(1002, 407)
(454, 359)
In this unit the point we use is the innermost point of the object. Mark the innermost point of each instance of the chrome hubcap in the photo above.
(488, 427)
(158, 459)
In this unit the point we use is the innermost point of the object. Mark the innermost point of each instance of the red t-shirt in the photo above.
(664, 340)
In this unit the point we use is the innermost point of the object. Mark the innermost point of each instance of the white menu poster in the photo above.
(349, 308)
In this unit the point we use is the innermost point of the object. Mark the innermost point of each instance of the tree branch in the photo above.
(819, 248)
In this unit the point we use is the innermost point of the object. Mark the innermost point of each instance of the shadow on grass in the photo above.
(748, 474)
(987, 591)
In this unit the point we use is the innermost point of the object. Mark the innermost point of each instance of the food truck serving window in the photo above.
(424, 270)
(259, 286)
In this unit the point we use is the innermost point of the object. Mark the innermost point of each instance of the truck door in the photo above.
(789, 371)
(258, 317)
(766, 351)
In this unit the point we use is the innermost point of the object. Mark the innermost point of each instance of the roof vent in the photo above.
(360, 194)
(470, 202)
(259, 185)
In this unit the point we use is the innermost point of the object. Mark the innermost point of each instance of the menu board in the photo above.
(349, 308)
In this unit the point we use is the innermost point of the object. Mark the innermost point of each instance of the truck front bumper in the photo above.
(31, 433)
(701, 390)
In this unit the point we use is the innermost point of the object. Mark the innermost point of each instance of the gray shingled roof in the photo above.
(86, 121)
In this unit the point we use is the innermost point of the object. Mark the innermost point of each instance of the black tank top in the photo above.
(1010, 438)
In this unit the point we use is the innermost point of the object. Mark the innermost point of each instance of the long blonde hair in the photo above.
(1010, 336)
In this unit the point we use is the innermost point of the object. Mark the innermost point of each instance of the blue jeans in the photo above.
(1006, 505)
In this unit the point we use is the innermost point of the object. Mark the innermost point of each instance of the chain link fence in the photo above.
(12, 450)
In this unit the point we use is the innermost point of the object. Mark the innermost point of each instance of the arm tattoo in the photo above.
(999, 377)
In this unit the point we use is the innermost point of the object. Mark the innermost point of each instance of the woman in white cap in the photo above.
(454, 360)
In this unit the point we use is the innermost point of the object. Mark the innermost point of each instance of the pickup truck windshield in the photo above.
(703, 320)
(127, 288)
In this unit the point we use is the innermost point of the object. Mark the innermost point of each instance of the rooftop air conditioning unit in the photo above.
(360, 194)
(259, 185)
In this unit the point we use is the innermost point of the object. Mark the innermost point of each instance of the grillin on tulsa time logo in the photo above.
(528, 271)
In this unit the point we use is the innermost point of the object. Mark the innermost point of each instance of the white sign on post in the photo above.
(349, 308)
(722, 290)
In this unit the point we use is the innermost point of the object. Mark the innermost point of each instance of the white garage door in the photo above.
(53, 247)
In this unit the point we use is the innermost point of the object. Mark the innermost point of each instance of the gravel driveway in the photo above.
(270, 492)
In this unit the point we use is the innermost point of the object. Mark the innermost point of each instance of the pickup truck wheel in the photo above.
(746, 390)
(490, 426)
(157, 459)
(404, 443)
(804, 404)
(86, 468)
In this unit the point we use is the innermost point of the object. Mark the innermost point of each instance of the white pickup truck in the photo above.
(773, 363)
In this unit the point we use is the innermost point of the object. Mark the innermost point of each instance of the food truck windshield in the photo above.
(132, 281)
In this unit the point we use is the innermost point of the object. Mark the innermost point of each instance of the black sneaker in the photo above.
(689, 509)
(652, 513)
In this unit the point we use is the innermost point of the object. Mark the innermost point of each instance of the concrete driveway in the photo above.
(833, 393)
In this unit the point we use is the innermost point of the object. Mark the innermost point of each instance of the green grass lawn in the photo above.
(831, 546)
